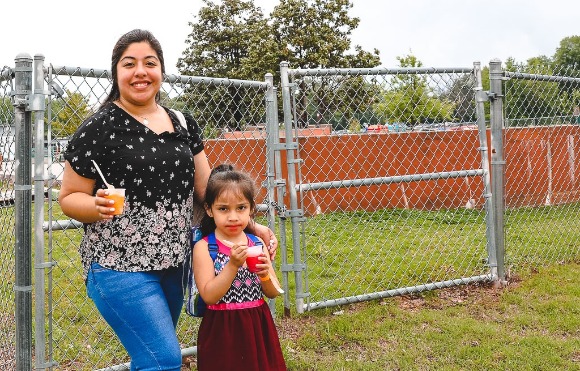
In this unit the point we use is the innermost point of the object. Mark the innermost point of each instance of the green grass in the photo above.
(531, 324)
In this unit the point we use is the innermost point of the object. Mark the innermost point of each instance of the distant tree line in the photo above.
(234, 39)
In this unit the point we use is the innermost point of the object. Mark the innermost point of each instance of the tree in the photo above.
(235, 40)
(69, 114)
(567, 57)
(225, 37)
(6, 111)
(566, 62)
(316, 34)
(220, 43)
(410, 100)
(531, 101)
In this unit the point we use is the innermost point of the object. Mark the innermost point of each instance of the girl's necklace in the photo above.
(145, 119)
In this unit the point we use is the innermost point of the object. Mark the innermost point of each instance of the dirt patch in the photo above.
(451, 296)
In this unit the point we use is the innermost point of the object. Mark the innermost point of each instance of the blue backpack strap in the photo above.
(253, 238)
(212, 246)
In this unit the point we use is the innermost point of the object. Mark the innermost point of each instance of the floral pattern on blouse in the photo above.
(157, 172)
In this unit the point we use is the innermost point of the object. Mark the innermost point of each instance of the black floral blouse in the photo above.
(157, 172)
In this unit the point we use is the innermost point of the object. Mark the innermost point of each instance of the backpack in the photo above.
(180, 117)
(194, 305)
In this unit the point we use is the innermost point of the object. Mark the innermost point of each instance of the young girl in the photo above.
(237, 331)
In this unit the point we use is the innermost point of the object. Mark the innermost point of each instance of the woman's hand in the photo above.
(77, 200)
(268, 236)
(104, 205)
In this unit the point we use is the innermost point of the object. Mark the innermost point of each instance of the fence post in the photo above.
(22, 210)
(496, 78)
(37, 105)
(480, 97)
(273, 176)
(295, 214)
(275, 182)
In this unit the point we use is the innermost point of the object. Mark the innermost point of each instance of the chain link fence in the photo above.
(7, 219)
(380, 179)
(222, 106)
(394, 190)
(542, 183)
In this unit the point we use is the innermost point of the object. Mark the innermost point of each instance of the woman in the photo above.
(133, 262)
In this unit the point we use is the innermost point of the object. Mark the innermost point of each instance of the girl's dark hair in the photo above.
(131, 37)
(224, 178)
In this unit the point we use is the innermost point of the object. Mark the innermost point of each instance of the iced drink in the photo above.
(117, 195)
(252, 259)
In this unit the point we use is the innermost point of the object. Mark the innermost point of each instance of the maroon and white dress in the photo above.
(238, 332)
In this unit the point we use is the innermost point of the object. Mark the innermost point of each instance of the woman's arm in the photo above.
(77, 201)
(266, 234)
(202, 171)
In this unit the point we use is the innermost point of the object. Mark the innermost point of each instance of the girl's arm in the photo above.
(267, 275)
(211, 287)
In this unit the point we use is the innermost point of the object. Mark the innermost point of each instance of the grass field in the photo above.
(531, 324)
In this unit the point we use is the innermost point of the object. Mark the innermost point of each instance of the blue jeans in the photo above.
(143, 309)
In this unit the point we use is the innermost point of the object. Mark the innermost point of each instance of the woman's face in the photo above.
(139, 74)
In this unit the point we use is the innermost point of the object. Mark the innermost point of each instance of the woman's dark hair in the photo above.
(131, 37)
(225, 178)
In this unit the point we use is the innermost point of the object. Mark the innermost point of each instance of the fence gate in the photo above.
(542, 152)
(70, 334)
(381, 205)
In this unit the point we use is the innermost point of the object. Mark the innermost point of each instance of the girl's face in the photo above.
(231, 212)
(139, 74)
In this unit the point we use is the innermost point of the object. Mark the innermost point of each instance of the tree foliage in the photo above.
(410, 100)
(222, 39)
(68, 114)
(316, 34)
(567, 56)
(234, 39)
(533, 101)
(6, 111)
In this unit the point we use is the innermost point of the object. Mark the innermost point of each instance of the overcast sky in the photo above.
(440, 33)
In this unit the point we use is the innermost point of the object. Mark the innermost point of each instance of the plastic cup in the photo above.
(252, 259)
(117, 195)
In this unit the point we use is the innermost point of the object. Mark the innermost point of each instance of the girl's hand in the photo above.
(104, 205)
(264, 267)
(267, 276)
(238, 254)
